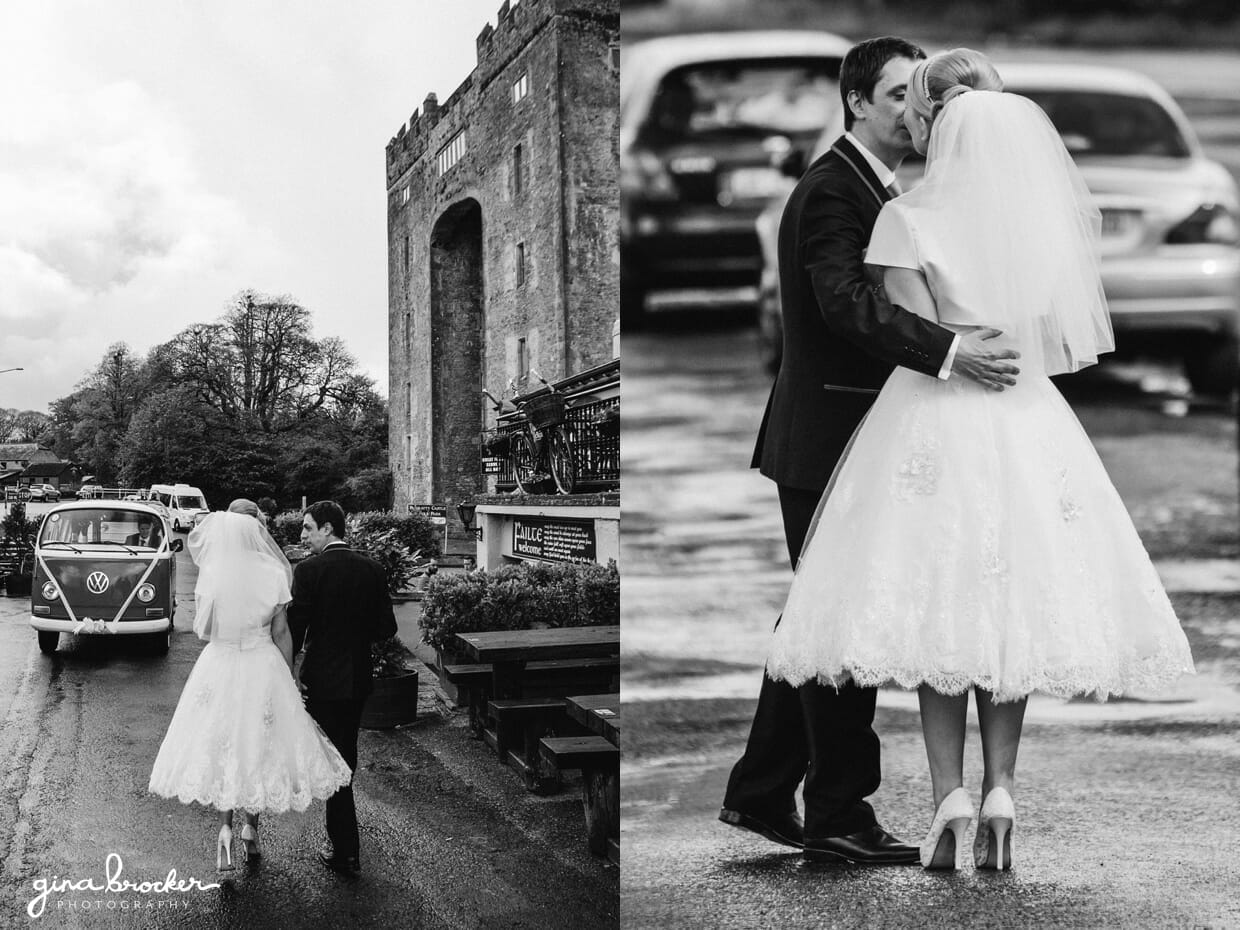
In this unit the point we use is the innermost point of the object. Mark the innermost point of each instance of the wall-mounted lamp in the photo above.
(467, 513)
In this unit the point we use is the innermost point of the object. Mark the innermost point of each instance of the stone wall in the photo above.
(458, 307)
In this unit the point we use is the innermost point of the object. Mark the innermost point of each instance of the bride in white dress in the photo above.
(240, 736)
(970, 538)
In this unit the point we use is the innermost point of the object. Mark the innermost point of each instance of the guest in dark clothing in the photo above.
(340, 606)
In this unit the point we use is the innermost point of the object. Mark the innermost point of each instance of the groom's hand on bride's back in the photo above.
(978, 359)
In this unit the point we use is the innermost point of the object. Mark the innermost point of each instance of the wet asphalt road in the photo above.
(449, 837)
(1127, 812)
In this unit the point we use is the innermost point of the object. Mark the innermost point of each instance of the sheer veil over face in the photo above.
(1004, 214)
(242, 575)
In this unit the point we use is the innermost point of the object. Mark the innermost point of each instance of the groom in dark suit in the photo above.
(340, 606)
(842, 338)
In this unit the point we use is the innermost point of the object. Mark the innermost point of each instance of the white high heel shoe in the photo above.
(249, 840)
(995, 827)
(223, 849)
(951, 823)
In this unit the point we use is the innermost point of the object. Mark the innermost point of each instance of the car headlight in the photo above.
(146, 593)
(50, 592)
(1210, 222)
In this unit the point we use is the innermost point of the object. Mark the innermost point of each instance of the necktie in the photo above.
(894, 188)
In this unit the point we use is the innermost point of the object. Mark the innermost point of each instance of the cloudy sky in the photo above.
(157, 157)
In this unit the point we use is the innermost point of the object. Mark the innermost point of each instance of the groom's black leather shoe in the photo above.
(783, 828)
(871, 846)
(345, 865)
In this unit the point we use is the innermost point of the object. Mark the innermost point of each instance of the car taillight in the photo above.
(1210, 222)
(642, 174)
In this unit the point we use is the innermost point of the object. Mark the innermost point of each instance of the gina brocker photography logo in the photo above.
(113, 892)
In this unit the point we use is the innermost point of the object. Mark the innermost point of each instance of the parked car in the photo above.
(44, 492)
(1170, 232)
(705, 121)
(90, 492)
(91, 576)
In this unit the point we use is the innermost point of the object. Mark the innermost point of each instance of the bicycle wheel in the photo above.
(525, 463)
(563, 461)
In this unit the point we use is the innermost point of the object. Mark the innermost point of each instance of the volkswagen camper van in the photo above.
(104, 567)
(186, 504)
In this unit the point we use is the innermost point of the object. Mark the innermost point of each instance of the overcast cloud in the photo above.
(156, 158)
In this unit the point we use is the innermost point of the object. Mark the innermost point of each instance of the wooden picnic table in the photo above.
(599, 713)
(507, 651)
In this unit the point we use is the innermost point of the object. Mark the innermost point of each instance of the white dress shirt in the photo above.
(887, 177)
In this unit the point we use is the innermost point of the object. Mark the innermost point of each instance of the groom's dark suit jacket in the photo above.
(842, 337)
(340, 606)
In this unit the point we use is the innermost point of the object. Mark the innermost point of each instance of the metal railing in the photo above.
(595, 440)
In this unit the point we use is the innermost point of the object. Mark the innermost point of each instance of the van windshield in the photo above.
(102, 526)
(190, 502)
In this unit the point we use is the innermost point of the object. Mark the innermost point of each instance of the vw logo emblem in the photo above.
(96, 582)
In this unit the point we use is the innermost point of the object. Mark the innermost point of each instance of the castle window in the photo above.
(521, 87)
(520, 263)
(451, 153)
(406, 258)
(523, 357)
(518, 170)
(405, 195)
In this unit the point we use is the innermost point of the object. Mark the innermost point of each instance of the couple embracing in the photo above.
(951, 526)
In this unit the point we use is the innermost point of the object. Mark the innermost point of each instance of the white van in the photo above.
(186, 505)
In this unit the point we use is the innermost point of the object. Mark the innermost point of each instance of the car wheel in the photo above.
(48, 641)
(1214, 368)
(632, 302)
(176, 526)
(157, 643)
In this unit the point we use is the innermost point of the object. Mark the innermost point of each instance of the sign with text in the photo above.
(553, 540)
(436, 513)
(492, 465)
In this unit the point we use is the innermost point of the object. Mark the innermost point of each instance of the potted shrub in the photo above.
(393, 700)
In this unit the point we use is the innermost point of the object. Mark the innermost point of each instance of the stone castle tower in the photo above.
(503, 251)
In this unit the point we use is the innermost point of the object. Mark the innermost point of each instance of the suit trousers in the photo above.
(339, 720)
(813, 732)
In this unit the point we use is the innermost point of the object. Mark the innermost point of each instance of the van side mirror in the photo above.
(176, 545)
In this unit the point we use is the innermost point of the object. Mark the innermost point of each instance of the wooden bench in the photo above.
(520, 723)
(556, 677)
(599, 762)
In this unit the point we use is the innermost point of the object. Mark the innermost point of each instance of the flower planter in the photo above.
(393, 702)
(18, 585)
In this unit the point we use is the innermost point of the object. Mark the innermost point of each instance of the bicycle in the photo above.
(540, 450)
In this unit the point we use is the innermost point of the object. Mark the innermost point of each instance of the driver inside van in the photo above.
(148, 534)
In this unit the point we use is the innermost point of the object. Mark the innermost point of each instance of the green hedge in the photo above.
(519, 597)
(413, 531)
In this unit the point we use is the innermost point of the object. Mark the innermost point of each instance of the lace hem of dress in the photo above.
(1144, 674)
(267, 799)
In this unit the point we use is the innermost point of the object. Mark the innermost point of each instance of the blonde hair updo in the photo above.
(942, 78)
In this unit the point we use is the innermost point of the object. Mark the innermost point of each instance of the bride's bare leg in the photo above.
(1001, 725)
(251, 819)
(226, 819)
(942, 726)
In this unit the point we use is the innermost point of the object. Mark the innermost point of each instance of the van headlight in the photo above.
(50, 592)
(146, 593)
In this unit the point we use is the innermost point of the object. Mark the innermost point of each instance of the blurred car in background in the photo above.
(1170, 230)
(705, 121)
(44, 492)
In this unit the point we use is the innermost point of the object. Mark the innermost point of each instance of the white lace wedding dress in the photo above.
(240, 736)
(973, 538)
